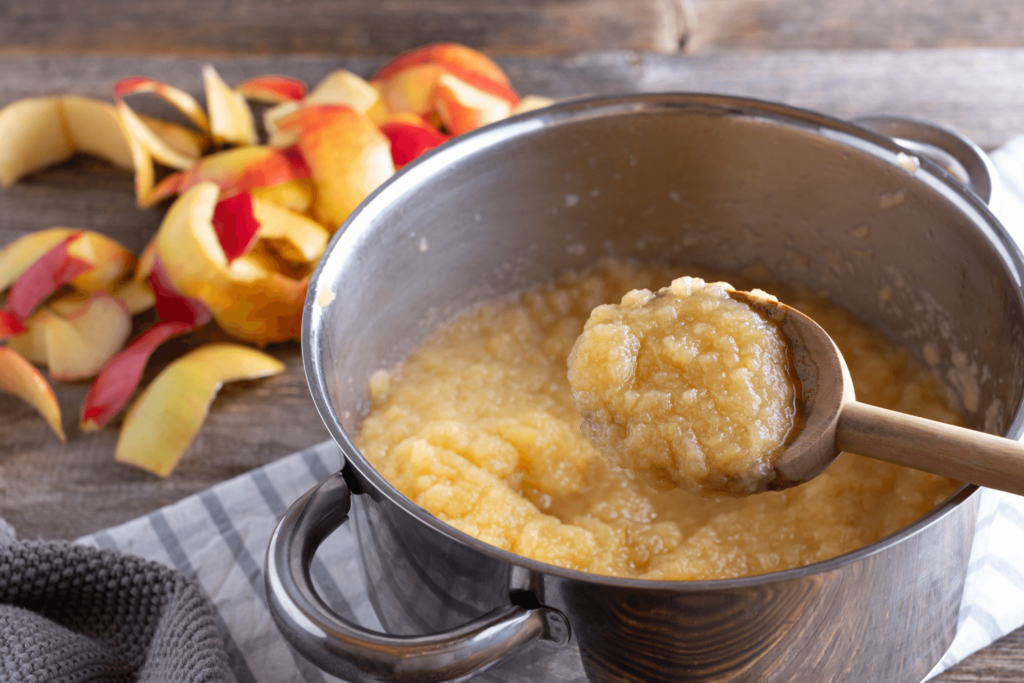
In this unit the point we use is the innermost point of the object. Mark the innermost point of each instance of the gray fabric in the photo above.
(74, 614)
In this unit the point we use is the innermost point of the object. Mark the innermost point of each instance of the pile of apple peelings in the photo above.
(237, 246)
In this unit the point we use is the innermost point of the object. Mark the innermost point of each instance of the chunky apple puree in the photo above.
(478, 427)
(685, 387)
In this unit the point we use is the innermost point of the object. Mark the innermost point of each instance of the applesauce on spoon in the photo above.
(478, 427)
(685, 387)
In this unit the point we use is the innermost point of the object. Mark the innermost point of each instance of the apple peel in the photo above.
(272, 89)
(230, 117)
(235, 225)
(172, 305)
(17, 256)
(79, 345)
(137, 296)
(54, 268)
(18, 377)
(120, 377)
(347, 155)
(162, 423)
(179, 99)
(157, 147)
(243, 168)
(464, 107)
(295, 237)
(109, 259)
(33, 133)
(410, 136)
(10, 325)
(94, 127)
(118, 380)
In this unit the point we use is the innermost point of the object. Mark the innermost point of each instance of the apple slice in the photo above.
(272, 89)
(165, 419)
(33, 137)
(230, 117)
(54, 268)
(18, 377)
(95, 128)
(410, 136)
(464, 107)
(78, 346)
(295, 237)
(347, 155)
(243, 168)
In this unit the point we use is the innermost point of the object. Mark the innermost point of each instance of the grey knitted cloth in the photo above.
(72, 614)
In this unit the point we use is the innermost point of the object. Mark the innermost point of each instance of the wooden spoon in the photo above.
(833, 421)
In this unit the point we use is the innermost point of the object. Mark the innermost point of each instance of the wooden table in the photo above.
(951, 61)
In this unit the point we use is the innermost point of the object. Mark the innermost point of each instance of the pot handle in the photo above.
(352, 652)
(957, 155)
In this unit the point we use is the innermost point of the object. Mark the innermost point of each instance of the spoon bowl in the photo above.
(830, 420)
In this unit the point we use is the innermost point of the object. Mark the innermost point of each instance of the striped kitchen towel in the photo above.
(219, 538)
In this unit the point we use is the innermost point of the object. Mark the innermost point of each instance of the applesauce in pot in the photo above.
(478, 427)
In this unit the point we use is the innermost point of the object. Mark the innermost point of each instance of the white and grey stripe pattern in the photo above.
(219, 538)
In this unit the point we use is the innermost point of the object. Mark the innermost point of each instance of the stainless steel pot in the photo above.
(716, 181)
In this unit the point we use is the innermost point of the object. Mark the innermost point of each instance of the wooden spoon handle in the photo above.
(953, 452)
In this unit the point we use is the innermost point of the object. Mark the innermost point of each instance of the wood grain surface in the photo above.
(375, 27)
(846, 24)
(843, 57)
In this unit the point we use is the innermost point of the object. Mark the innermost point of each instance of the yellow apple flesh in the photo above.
(230, 117)
(166, 417)
(80, 344)
(347, 155)
(18, 377)
(247, 299)
(33, 137)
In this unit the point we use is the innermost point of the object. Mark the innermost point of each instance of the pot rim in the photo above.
(350, 233)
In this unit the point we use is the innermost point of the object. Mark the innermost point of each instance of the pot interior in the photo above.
(723, 183)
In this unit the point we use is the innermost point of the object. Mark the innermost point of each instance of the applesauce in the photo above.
(686, 388)
(478, 427)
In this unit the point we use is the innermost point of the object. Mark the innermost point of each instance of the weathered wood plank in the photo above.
(853, 24)
(377, 27)
(1000, 662)
(977, 91)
